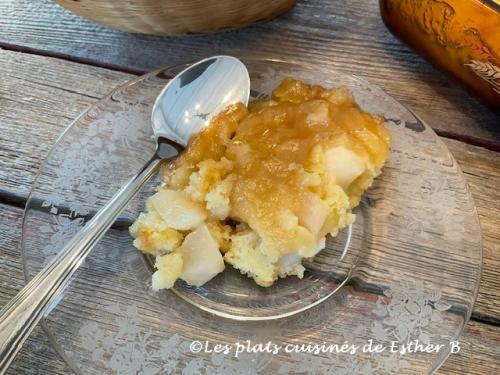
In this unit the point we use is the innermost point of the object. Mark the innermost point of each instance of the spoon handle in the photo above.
(24, 311)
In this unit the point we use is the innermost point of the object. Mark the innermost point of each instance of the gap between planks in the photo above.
(66, 57)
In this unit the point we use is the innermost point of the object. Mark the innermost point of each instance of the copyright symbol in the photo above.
(195, 347)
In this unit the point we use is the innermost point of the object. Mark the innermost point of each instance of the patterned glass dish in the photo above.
(411, 269)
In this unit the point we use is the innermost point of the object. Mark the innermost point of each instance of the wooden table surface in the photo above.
(54, 64)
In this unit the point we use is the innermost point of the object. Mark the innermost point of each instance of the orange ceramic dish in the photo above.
(461, 37)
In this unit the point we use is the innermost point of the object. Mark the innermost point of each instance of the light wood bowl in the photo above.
(174, 17)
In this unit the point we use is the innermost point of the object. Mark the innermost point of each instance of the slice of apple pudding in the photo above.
(261, 187)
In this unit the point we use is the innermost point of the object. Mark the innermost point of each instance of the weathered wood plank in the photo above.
(479, 354)
(482, 171)
(480, 346)
(349, 36)
(40, 97)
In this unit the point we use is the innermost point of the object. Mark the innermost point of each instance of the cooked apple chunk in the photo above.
(313, 212)
(201, 257)
(177, 210)
(343, 165)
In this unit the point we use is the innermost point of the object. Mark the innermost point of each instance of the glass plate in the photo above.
(411, 271)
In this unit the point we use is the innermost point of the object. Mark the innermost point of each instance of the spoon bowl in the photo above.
(188, 102)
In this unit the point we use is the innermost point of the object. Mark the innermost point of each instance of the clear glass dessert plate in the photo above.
(407, 269)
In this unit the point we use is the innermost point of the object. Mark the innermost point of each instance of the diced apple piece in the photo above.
(201, 257)
(313, 212)
(320, 113)
(169, 268)
(343, 165)
(177, 210)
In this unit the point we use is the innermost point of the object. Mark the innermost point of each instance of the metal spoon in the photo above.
(183, 108)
